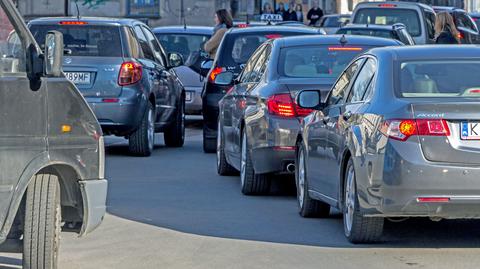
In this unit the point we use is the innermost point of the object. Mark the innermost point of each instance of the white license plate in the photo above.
(470, 130)
(188, 96)
(78, 77)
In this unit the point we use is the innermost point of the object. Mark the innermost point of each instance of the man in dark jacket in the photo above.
(314, 14)
(290, 14)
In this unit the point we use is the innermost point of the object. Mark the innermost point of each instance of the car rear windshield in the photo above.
(452, 78)
(239, 47)
(84, 40)
(389, 16)
(184, 44)
(368, 32)
(321, 61)
(335, 21)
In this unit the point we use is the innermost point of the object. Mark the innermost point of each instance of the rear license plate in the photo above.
(78, 77)
(470, 130)
(188, 96)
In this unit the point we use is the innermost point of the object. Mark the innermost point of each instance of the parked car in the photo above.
(187, 41)
(418, 18)
(259, 121)
(125, 75)
(331, 23)
(235, 49)
(397, 31)
(465, 24)
(396, 137)
(52, 151)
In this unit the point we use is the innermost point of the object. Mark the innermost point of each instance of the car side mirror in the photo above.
(53, 54)
(310, 99)
(225, 78)
(205, 67)
(175, 59)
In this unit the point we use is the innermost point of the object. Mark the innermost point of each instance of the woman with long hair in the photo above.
(445, 30)
(299, 11)
(267, 9)
(223, 22)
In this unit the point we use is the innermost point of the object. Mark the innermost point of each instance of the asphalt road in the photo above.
(173, 211)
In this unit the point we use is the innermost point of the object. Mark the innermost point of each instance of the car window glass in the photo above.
(147, 51)
(249, 66)
(430, 24)
(370, 89)
(260, 65)
(389, 16)
(364, 77)
(133, 44)
(339, 91)
(157, 51)
(185, 44)
(467, 22)
(12, 57)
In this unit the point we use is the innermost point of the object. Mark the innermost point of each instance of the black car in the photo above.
(125, 75)
(465, 24)
(236, 48)
(397, 31)
(476, 18)
(188, 41)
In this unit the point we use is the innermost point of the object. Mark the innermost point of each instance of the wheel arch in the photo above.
(346, 156)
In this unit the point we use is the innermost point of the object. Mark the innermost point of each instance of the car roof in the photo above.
(273, 29)
(474, 14)
(356, 40)
(178, 29)
(429, 52)
(89, 20)
(447, 8)
(371, 26)
(337, 15)
(398, 4)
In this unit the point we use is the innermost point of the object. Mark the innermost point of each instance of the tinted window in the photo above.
(84, 40)
(451, 78)
(334, 21)
(463, 20)
(389, 16)
(364, 77)
(238, 48)
(430, 21)
(477, 21)
(317, 61)
(367, 32)
(339, 91)
(147, 51)
(184, 44)
(261, 64)
(248, 74)
(155, 45)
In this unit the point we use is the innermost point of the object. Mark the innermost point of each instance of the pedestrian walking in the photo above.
(267, 9)
(299, 11)
(314, 14)
(223, 22)
(290, 14)
(281, 10)
(445, 30)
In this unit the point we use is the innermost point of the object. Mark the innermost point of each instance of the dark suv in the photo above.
(397, 31)
(52, 157)
(465, 24)
(123, 72)
(236, 48)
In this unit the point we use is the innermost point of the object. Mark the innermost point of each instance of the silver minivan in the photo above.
(418, 18)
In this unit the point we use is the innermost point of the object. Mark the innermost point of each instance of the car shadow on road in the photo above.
(179, 189)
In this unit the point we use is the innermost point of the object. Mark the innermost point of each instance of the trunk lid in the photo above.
(454, 148)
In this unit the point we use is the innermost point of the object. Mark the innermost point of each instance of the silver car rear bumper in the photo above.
(194, 105)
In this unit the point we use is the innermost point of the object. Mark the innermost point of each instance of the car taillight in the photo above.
(460, 35)
(284, 106)
(215, 71)
(387, 5)
(403, 129)
(73, 23)
(130, 73)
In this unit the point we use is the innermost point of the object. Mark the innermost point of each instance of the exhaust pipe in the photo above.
(291, 167)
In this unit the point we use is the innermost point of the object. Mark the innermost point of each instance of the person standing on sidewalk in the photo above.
(314, 14)
(223, 22)
(299, 11)
(290, 14)
(445, 30)
(281, 10)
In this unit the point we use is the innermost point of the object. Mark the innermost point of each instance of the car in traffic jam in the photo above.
(364, 117)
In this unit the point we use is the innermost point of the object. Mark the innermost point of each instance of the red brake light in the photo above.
(130, 73)
(242, 25)
(73, 23)
(284, 106)
(215, 72)
(110, 100)
(460, 35)
(433, 199)
(273, 36)
(403, 129)
(344, 49)
(387, 5)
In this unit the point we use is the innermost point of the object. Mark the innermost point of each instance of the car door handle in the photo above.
(347, 115)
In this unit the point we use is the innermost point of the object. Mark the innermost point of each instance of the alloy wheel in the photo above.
(150, 130)
(350, 196)
(219, 144)
(244, 160)
(301, 177)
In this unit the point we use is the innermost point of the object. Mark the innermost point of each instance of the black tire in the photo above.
(307, 207)
(223, 167)
(174, 136)
(251, 182)
(141, 142)
(41, 236)
(209, 144)
(362, 229)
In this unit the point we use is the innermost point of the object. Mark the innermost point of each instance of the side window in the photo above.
(261, 64)
(339, 91)
(249, 66)
(364, 77)
(147, 51)
(133, 44)
(466, 22)
(157, 51)
(12, 52)
(430, 24)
